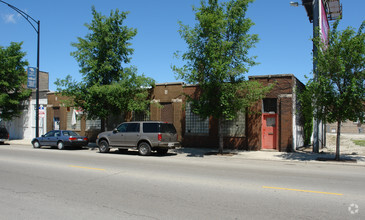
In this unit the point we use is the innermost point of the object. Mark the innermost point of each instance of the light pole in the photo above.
(37, 30)
(315, 17)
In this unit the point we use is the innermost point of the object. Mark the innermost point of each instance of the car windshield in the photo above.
(70, 133)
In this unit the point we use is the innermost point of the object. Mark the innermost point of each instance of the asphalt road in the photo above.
(84, 184)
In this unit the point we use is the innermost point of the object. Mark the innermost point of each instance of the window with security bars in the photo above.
(140, 116)
(194, 124)
(235, 127)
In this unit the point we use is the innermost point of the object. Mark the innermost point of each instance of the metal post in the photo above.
(37, 89)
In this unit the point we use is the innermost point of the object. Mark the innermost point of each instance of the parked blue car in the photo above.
(60, 139)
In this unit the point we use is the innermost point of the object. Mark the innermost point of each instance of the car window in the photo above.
(70, 133)
(133, 127)
(49, 134)
(122, 128)
(57, 134)
(168, 128)
(151, 128)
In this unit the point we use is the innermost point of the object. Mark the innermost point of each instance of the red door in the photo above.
(269, 131)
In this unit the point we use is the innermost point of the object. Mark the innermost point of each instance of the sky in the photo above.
(285, 34)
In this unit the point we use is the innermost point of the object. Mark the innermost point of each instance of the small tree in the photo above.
(107, 87)
(13, 80)
(338, 89)
(217, 59)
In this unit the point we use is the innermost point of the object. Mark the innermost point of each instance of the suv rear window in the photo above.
(158, 128)
(168, 128)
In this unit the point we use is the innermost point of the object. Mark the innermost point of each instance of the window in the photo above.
(122, 128)
(133, 127)
(236, 127)
(140, 116)
(194, 124)
(93, 124)
(269, 105)
(73, 121)
(50, 134)
(150, 128)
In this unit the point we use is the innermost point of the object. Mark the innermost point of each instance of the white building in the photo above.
(24, 127)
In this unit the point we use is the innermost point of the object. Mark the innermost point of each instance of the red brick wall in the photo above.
(282, 91)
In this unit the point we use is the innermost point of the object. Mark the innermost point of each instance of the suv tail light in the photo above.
(159, 137)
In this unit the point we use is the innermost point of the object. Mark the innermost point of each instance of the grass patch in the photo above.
(359, 142)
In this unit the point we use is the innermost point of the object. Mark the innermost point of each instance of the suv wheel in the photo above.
(144, 149)
(104, 147)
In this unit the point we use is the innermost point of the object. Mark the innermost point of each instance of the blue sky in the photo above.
(284, 33)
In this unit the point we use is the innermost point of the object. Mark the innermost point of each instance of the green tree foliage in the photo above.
(13, 80)
(107, 87)
(338, 88)
(217, 59)
(307, 109)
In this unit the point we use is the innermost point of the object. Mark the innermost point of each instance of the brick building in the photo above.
(276, 125)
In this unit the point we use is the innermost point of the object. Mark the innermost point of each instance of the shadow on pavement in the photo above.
(309, 156)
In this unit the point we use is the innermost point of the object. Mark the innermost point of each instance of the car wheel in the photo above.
(144, 149)
(60, 145)
(36, 144)
(104, 147)
(162, 151)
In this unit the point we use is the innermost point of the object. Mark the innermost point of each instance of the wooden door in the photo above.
(269, 131)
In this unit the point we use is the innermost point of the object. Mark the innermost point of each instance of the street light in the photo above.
(294, 4)
(37, 30)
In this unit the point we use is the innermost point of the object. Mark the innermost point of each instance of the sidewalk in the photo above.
(298, 156)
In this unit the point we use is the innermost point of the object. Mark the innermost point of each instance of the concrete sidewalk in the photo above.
(298, 156)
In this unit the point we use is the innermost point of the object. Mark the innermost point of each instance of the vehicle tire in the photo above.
(104, 147)
(60, 145)
(144, 149)
(162, 151)
(36, 144)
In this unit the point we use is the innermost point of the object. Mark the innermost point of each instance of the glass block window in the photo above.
(194, 124)
(93, 124)
(236, 127)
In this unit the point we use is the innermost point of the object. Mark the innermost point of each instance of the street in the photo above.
(84, 184)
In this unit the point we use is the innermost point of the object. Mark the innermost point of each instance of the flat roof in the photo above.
(272, 76)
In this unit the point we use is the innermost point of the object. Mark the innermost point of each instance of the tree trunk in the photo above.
(102, 127)
(338, 140)
(220, 134)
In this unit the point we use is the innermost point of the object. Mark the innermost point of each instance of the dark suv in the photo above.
(4, 134)
(145, 136)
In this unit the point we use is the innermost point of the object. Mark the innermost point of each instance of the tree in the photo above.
(107, 87)
(13, 79)
(338, 87)
(217, 59)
